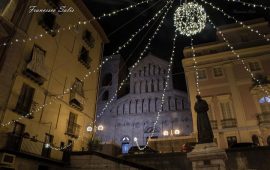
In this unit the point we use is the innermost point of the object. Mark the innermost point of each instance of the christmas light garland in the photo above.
(195, 66)
(66, 91)
(239, 22)
(231, 47)
(93, 124)
(72, 26)
(250, 4)
(162, 98)
(190, 19)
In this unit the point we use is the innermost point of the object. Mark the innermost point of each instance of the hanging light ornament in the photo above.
(190, 18)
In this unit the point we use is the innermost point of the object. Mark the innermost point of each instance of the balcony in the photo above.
(214, 124)
(37, 74)
(28, 146)
(73, 129)
(76, 100)
(264, 119)
(228, 123)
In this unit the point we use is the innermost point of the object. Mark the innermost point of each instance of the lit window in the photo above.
(254, 66)
(226, 110)
(218, 72)
(202, 74)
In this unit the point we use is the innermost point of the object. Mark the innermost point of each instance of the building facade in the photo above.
(134, 114)
(238, 108)
(45, 54)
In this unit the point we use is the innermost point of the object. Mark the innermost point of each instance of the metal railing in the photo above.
(27, 145)
(73, 129)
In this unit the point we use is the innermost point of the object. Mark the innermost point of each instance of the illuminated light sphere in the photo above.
(165, 133)
(100, 128)
(177, 132)
(135, 139)
(47, 145)
(89, 129)
(190, 19)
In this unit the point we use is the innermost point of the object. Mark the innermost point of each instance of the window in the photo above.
(218, 72)
(48, 23)
(78, 87)
(231, 140)
(84, 57)
(226, 110)
(265, 104)
(254, 66)
(25, 100)
(73, 128)
(202, 74)
(107, 80)
(88, 38)
(105, 96)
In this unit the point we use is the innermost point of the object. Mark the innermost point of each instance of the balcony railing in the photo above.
(228, 123)
(264, 119)
(27, 146)
(214, 124)
(73, 129)
(76, 100)
(37, 74)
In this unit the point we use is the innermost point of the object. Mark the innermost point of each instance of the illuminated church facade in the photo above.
(134, 113)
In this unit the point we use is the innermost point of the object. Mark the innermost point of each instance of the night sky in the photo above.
(120, 27)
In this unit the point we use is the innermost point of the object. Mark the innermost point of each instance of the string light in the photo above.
(239, 22)
(135, 64)
(238, 57)
(195, 66)
(74, 26)
(66, 91)
(189, 19)
(162, 98)
(250, 4)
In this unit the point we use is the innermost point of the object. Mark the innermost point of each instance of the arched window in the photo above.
(107, 80)
(255, 140)
(105, 96)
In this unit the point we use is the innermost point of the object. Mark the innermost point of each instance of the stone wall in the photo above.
(238, 159)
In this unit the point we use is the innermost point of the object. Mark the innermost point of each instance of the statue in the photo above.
(205, 133)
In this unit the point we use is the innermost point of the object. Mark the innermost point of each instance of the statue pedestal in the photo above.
(207, 157)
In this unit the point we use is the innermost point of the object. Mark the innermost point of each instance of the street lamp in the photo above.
(90, 128)
(177, 132)
(165, 133)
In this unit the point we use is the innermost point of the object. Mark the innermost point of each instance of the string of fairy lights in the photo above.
(232, 48)
(189, 19)
(66, 91)
(162, 97)
(250, 4)
(93, 126)
(70, 27)
(239, 22)
(195, 66)
(136, 63)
